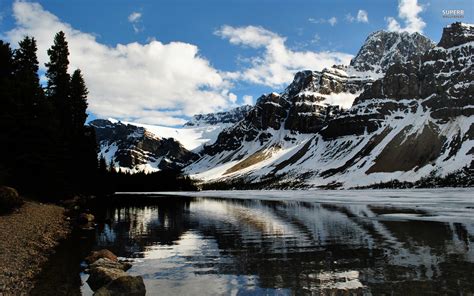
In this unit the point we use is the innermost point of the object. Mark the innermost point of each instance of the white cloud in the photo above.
(316, 21)
(408, 11)
(151, 83)
(136, 19)
(350, 18)
(278, 64)
(332, 21)
(233, 98)
(250, 36)
(315, 39)
(248, 100)
(362, 16)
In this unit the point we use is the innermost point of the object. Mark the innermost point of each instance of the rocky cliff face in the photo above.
(232, 116)
(412, 117)
(135, 149)
(382, 49)
(316, 97)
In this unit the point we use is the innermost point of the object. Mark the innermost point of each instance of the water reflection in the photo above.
(221, 247)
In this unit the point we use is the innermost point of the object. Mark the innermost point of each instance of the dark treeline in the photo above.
(45, 144)
(119, 181)
(46, 148)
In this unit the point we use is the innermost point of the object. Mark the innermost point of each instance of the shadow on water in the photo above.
(211, 246)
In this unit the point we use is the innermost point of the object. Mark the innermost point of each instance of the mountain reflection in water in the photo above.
(212, 246)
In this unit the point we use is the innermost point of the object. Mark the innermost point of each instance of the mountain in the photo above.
(135, 149)
(139, 147)
(382, 49)
(409, 117)
(228, 117)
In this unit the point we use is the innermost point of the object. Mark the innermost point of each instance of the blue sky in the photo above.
(184, 57)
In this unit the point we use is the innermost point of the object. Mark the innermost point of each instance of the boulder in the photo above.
(9, 199)
(104, 253)
(101, 276)
(107, 263)
(85, 218)
(123, 286)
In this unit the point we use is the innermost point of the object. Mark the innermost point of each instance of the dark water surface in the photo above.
(213, 246)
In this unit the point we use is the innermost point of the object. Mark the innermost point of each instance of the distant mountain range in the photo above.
(402, 110)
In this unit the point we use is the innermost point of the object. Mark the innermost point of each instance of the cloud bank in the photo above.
(408, 11)
(151, 83)
(157, 83)
(361, 17)
(278, 64)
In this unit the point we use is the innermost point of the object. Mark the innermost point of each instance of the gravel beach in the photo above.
(27, 237)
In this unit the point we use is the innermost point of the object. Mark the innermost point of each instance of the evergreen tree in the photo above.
(28, 142)
(29, 91)
(6, 61)
(41, 137)
(59, 79)
(78, 98)
(102, 165)
(112, 168)
(7, 118)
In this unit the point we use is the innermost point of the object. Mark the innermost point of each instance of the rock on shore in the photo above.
(108, 277)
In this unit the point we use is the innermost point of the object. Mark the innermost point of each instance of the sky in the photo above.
(160, 62)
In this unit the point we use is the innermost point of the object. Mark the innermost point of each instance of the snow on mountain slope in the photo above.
(200, 130)
(415, 121)
(134, 149)
(191, 137)
(381, 49)
(138, 147)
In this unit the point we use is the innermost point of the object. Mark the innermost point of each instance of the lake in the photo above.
(282, 243)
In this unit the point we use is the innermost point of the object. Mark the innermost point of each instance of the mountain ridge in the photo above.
(401, 110)
(357, 147)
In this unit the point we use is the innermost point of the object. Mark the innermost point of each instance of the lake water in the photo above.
(185, 245)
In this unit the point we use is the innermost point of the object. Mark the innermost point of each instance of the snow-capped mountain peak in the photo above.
(411, 117)
(231, 116)
(136, 147)
(382, 49)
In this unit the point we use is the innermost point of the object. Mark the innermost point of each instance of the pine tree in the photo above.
(112, 168)
(28, 143)
(6, 60)
(102, 165)
(29, 91)
(7, 118)
(78, 99)
(59, 79)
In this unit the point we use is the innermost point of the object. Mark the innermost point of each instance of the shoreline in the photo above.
(28, 237)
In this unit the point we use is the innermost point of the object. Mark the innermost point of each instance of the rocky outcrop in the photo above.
(85, 218)
(101, 254)
(314, 98)
(304, 107)
(123, 286)
(410, 115)
(456, 34)
(310, 95)
(382, 49)
(110, 264)
(135, 148)
(101, 276)
(440, 80)
(9, 199)
(107, 275)
(232, 116)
